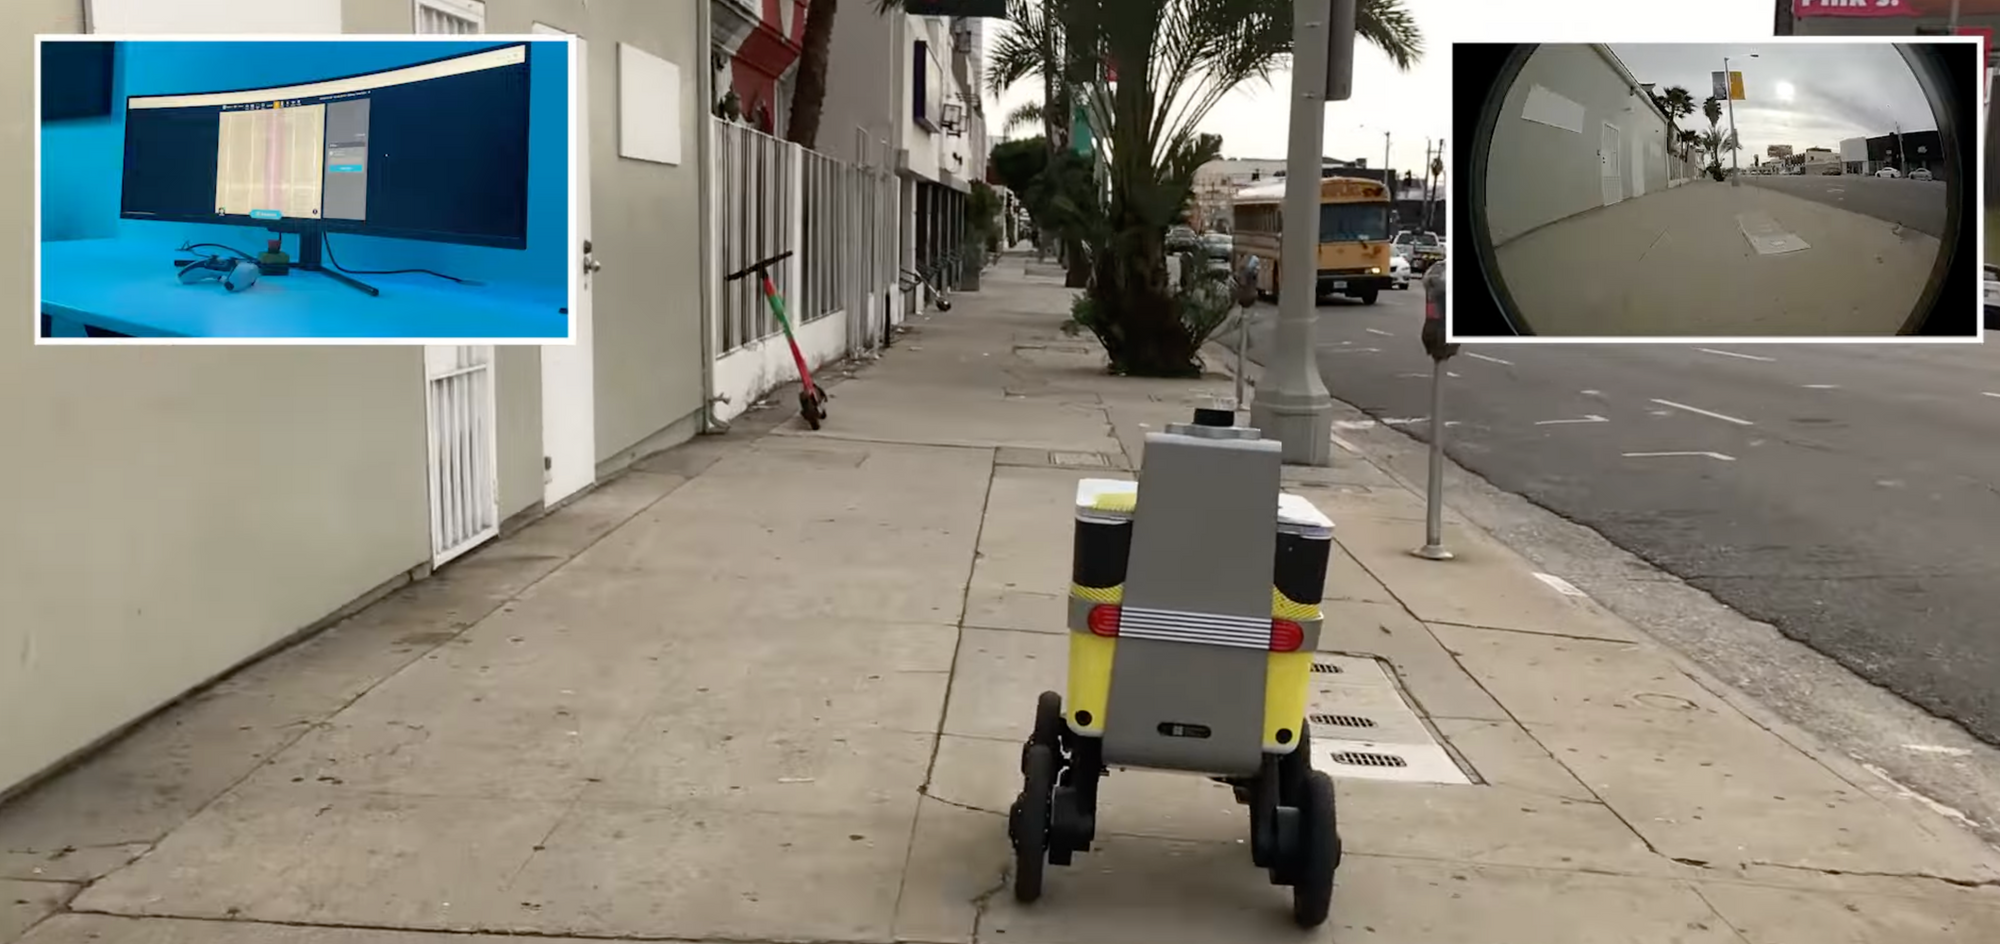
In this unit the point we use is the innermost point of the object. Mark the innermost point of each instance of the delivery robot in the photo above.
(1193, 615)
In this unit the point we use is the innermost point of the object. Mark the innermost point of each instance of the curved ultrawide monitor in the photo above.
(437, 150)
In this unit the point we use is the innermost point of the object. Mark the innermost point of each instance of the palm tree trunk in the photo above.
(809, 90)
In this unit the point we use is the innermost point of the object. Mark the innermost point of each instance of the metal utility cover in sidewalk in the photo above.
(1766, 236)
(1362, 728)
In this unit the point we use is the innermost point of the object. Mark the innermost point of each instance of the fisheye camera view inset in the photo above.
(1674, 190)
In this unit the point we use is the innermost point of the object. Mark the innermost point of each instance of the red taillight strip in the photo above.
(1276, 635)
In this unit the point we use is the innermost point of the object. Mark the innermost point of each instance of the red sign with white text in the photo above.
(1852, 8)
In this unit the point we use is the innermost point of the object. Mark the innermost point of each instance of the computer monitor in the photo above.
(437, 150)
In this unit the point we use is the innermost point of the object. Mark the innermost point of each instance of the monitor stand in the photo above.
(311, 239)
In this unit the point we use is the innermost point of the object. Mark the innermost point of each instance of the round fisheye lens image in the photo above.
(1678, 190)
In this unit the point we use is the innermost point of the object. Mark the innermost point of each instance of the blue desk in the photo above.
(129, 287)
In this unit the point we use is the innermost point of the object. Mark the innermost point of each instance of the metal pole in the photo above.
(1292, 404)
(1433, 548)
(1242, 349)
(1387, 177)
(1727, 88)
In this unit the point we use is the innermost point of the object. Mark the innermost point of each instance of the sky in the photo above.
(1411, 106)
(1802, 95)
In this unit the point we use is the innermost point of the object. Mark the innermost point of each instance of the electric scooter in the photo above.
(812, 399)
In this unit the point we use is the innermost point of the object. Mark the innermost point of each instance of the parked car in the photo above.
(1420, 248)
(1399, 270)
(1921, 173)
(1217, 249)
(1183, 239)
(1832, 170)
(1888, 173)
(1992, 319)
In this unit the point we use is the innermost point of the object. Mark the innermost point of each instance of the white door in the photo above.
(569, 417)
(1609, 169)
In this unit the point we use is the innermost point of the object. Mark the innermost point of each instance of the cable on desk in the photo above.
(190, 247)
(335, 263)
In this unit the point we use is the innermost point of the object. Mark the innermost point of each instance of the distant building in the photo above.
(1778, 152)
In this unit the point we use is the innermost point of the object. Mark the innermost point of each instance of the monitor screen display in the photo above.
(436, 150)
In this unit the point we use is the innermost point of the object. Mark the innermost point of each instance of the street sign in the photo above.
(1807, 8)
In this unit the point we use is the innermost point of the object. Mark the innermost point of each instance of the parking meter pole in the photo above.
(1292, 403)
(1433, 548)
(1242, 350)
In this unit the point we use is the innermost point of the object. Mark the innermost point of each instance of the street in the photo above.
(1917, 204)
(1842, 493)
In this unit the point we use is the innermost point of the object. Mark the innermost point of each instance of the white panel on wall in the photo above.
(213, 16)
(1546, 107)
(649, 106)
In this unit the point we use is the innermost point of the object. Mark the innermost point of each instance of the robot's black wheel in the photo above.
(1294, 774)
(1031, 822)
(809, 409)
(1319, 853)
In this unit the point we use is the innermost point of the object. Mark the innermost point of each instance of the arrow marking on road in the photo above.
(1380, 332)
(1702, 412)
(1486, 358)
(1747, 357)
(1656, 455)
(1587, 418)
(1560, 585)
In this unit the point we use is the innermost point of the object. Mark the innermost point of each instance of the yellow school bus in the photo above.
(1353, 255)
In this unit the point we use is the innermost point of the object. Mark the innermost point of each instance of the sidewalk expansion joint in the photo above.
(526, 933)
(1862, 873)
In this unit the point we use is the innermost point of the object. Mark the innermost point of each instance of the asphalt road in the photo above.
(1917, 204)
(1847, 494)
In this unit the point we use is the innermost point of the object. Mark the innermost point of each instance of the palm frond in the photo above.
(1029, 114)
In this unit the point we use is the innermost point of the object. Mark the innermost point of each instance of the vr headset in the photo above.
(234, 274)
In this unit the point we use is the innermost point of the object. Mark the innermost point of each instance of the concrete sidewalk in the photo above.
(772, 688)
(1680, 263)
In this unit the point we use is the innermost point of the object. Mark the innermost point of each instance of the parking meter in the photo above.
(1433, 332)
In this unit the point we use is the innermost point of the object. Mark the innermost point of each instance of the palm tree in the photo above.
(1688, 139)
(1174, 67)
(809, 88)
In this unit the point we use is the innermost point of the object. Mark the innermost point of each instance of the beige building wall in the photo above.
(166, 514)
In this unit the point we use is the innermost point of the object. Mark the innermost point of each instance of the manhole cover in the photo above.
(1079, 459)
(1342, 721)
(1325, 668)
(1368, 759)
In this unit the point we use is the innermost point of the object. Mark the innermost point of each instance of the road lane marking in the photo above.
(1989, 393)
(1587, 418)
(1353, 424)
(1380, 332)
(1939, 749)
(1593, 393)
(1707, 413)
(1560, 585)
(1418, 376)
(1402, 421)
(1747, 357)
(1354, 350)
(1831, 387)
(1449, 374)
(1656, 455)
(1486, 358)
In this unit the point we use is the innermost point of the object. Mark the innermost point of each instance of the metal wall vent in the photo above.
(1342, 721)
(1325, 668)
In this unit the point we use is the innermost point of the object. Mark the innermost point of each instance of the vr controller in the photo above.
(234, 274)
